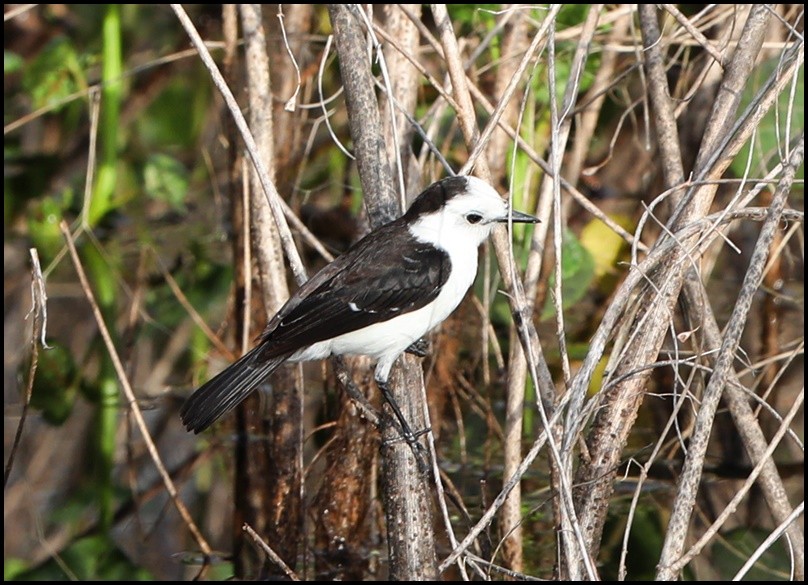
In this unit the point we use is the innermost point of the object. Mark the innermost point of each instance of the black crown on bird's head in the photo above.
(434, 197)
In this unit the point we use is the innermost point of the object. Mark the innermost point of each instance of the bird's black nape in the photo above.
(434, 197)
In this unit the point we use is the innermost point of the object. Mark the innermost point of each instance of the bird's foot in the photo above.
(408, 437)
(419, 348)
(418, 450)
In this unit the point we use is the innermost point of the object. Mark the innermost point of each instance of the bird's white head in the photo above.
(459, 211)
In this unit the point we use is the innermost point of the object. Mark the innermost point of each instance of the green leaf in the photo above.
(12, 62)
(12, 568)
(577, 273)
(205, 281)
(166, 179)
(604, 244)
(43, 223)
(55, 384)
(771, 135)
(644, 544)
(175, 117)
(731, 552)
(93, 558)
(524, 175)
(55, 74)
(468, 17)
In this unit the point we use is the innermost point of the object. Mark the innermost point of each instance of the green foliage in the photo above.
(166, 179)
(577, 273)
(57, 72)
(44, 216)
(767, 146)
(103, 200)
(472, 17)
(569, 16)
(174, 118)
(522, 172)
(12, 567)
(644, 543)
(205, 282)
(92, 558)
(731, 552)
(55, 384)
(604, 244)
(12, 62)
(572, 15)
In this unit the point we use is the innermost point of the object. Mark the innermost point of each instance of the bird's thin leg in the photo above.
(374, 416)
(344, 377)
(406, 432)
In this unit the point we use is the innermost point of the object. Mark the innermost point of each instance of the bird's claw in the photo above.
(409, 437)
(418, 450)
(419, 348)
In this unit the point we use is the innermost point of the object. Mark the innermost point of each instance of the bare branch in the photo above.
(691, 474)
(271, 554)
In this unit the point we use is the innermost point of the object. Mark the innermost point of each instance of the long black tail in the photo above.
(227, 389)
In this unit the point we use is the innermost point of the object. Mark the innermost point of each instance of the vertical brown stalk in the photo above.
(268, 462)
(410, 532)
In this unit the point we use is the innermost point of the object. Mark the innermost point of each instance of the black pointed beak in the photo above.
(519, 217)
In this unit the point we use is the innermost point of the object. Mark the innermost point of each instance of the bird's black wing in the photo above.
(386, 274)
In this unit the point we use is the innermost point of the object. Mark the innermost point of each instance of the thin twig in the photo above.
(619, 408)
(588, 107)
(503, 247)
(694, 32)
(246, 308)
(526, 148)
(744, 489)
(764, 546)
(664, 121)
(95, 108)
(575, 548)
(271, 554)
(322, 102)
(189, 308)
(39, 310)
(496, 504)
(530, 55)
(17, 10)
(291, 103)
(57, 104)
(382, 61)
(343, 374)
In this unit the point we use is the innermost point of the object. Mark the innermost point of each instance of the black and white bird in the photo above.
(385, 293)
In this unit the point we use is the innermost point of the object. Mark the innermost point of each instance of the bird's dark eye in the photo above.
(474, 218)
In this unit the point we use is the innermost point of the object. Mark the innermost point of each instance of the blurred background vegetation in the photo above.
(112, 124)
